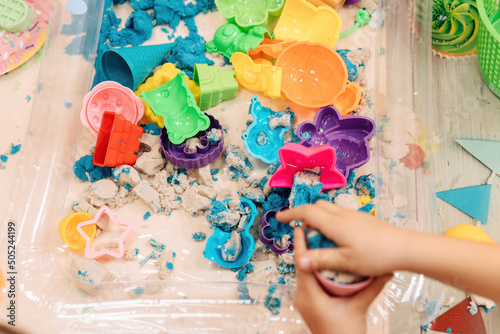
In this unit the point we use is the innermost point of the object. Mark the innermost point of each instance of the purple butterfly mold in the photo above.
(349, 136)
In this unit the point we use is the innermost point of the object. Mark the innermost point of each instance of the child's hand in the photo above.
(366, 245)
(325, 314)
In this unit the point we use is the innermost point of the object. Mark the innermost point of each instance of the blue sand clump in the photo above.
(273, 304)
(277, 230)
(85, 169)
(365, 185)
(199, 236)
(278, 198)
(152, 129)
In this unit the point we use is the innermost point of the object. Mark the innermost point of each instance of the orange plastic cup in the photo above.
(314, 75)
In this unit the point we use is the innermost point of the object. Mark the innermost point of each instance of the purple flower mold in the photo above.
(204, 155)
(272, 242)
(349, 136)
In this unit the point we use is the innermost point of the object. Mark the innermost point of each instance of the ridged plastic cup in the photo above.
(488, 43)
(131, 66)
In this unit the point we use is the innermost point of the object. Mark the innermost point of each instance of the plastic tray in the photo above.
(49, 300)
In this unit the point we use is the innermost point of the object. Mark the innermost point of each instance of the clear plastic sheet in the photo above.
(49, 300)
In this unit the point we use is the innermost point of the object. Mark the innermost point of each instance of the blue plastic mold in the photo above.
(260, 141)
(212, 251)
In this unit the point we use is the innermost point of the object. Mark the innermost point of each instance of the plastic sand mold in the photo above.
(349, 136)
(295, 158)
(213, 247)
(260, 140)
(166, 73)
(230, 38)
(216, 85)
(339, 289)
(176, 104)
(249, 13)
(69, 233)
(15, 16)
(257, 77)
(271, 242)
(302, 21)
(113, 97)
(121, 249)
(205, 153)
(314, 75)
(118, 141)
(130, 66)
(17, 48)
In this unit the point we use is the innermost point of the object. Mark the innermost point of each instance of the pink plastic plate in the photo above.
(15, 49)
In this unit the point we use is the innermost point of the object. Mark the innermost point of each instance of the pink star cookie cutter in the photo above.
(296, 158)
(114, 220)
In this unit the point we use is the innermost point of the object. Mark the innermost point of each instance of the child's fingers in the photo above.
(364, 298)
(312, 216)
(306, 281)
(324, 258)
(329, 207)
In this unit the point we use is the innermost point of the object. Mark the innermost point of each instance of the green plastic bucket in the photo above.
(488, 43)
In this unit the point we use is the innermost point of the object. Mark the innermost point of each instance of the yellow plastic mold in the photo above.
(166, 73)
(302, 21)
(257, 77)
(69, 233)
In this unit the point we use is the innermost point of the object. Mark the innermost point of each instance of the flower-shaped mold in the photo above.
(212, 249)
(349, 136)
(204, 155)
(230, 38)
(271, 242)
(260, 141)
(303, 21)
(295, 158)
(176, 104)
(113, 97)
(257, 77)
(166, 73)
(314, 75)
(247, 14)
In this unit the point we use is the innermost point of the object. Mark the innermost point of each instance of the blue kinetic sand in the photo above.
(260, 140)
(214, 244)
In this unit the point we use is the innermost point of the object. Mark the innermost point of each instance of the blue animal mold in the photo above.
(212, 251)
(260, 141)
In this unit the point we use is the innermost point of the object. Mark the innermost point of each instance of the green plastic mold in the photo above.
(216, 85)
(15, 15)
(174, 101)
(229, 38)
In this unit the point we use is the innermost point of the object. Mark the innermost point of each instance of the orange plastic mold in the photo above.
(349, 100)
(314, 75)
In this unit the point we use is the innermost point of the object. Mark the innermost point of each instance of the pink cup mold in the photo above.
(113, 97)
(340, 289)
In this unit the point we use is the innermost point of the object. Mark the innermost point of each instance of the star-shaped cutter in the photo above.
(114, 220)
(349, 136)
(296, 158)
